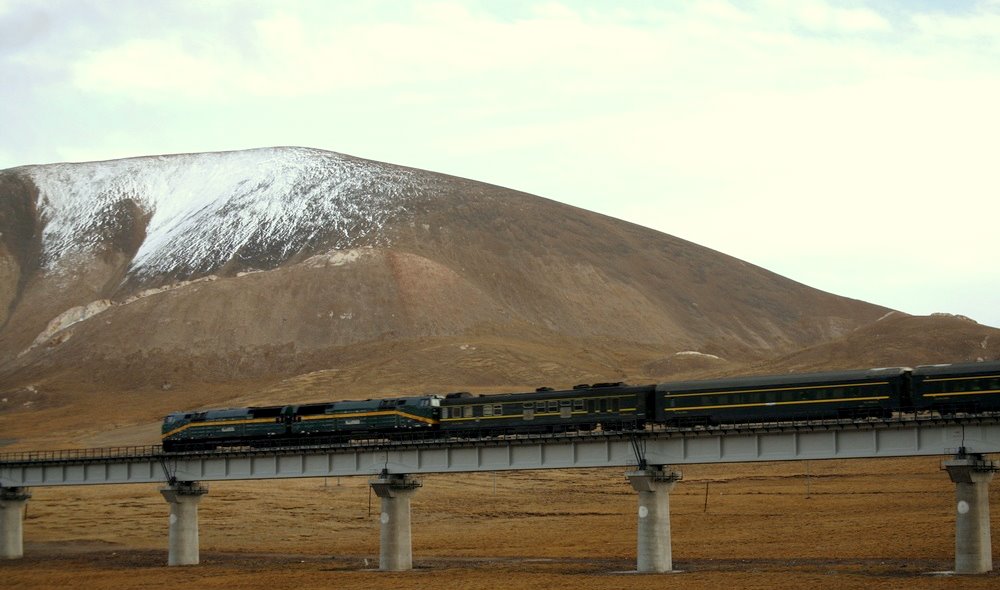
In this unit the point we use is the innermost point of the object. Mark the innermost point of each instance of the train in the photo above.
(879, 393)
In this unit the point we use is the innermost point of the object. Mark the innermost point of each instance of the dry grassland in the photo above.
(826, 524)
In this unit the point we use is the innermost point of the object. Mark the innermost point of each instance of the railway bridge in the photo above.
(649, 458)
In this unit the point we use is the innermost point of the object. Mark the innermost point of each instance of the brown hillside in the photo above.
(898, 340)
(452, 260)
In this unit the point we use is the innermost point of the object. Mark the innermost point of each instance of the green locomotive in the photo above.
(263, 426)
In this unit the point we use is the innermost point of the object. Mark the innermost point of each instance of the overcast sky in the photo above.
(851, 146)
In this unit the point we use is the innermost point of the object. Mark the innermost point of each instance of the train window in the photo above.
(578, 405)
(487, 410)
(529, 405)
(498, 409)
(553, 406)
(312, 410)
(467, 411)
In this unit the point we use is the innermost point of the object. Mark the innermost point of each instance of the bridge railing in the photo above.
(81, 454)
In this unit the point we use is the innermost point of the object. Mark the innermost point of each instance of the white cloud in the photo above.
(151, 68)
(820, 16)
(960, 28)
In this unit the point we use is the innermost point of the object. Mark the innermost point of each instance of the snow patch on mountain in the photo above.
(695, 353)
(254, 206)
(336, 258)
(69, 317)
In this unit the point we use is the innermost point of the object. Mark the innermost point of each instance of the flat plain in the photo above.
(886, 523)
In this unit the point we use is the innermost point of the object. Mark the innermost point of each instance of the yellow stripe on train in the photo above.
(767, 404)
(317, 417)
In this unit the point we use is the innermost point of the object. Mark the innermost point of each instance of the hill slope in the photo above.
(281, 261)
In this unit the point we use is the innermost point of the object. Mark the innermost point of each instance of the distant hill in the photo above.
(897, 340)
(285, 261)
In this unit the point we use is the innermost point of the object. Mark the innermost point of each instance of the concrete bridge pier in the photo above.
(12, 502)
(972, 474)
(183, 498)
(654, 485)
(395, 549)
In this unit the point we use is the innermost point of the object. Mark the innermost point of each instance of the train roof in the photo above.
(231, 412)
(546, 393)
(831, 377)
(959, 368)
(226, 413)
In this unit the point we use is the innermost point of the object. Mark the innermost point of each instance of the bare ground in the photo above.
(843, 524)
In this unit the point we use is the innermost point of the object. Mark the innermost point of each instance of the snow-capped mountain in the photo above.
(282, 260)
(205, 210)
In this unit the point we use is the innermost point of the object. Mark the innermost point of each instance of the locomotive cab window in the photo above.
(312, 409)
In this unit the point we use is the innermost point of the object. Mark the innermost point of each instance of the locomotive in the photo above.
(881, 393)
